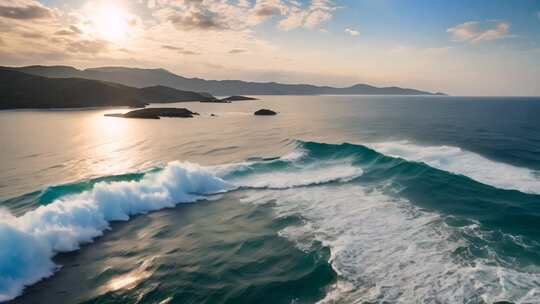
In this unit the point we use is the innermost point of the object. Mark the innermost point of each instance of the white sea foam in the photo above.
(303, 176)
(225, 169)
(294, 155)
(387, 251)
(28, 242)
(456, 160)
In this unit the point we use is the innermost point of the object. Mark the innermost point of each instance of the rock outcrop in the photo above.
(156, 113)
(265, 112)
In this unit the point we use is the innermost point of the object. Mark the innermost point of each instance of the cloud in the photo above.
(267, 11)
(264, 9)
(220, 15)
(237, 51)
(88, 46)
(352, 32)
(475, 32)
(156, 33)
(203, 15)
(71, 31)
(317, 13)
(197, 18)
(179, 50)
(75, 29)
(187, 52)
(230, 27)
(41, 32)
(170, 47)
(24, 10)
(33, 35)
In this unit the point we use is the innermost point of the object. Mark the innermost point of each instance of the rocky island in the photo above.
(156, 113)
(238, 98)
(265, 112)
(229, 99)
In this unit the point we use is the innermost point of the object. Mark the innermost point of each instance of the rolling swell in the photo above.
(405, 231)
(499, 212)
(506, 223)
(459, 161)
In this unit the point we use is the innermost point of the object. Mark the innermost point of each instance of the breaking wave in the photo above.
(356, 225)
(459, 161)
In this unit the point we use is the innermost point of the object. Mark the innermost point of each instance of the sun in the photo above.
(112, 22)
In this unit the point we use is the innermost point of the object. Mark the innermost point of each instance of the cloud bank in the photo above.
(24, 10)
(101, 30)
(475, 32)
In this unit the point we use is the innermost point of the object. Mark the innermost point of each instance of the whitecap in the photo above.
(385, 250)
(307, 175)
(459, 161)
(28, 242)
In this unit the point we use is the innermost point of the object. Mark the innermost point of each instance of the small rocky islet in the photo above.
(238, 98)
(265, 112)
(157, 113)
(228, 99)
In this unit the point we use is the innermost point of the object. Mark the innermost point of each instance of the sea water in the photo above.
(337, 199)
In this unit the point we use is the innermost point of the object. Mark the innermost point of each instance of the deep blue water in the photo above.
(338, 199)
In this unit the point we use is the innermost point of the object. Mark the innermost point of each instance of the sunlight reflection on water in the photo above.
(131, 279)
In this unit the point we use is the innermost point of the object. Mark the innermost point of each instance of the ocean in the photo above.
(337, 199)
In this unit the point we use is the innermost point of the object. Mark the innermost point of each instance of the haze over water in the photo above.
(336, 199)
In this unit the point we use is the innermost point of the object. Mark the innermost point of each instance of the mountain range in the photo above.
(21, 90)
(140, 78)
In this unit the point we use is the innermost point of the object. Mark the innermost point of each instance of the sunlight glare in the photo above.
(112, 22)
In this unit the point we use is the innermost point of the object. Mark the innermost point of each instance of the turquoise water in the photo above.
(336, 200)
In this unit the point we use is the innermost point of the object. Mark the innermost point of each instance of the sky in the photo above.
(460, 47)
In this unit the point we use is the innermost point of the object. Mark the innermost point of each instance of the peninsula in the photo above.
(22, 91)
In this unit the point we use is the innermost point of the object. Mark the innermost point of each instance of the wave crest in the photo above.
(459, 161)
(29, 242)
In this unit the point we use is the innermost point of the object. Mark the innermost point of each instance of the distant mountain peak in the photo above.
(123, 69)
(361, 85)
(65, 68)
